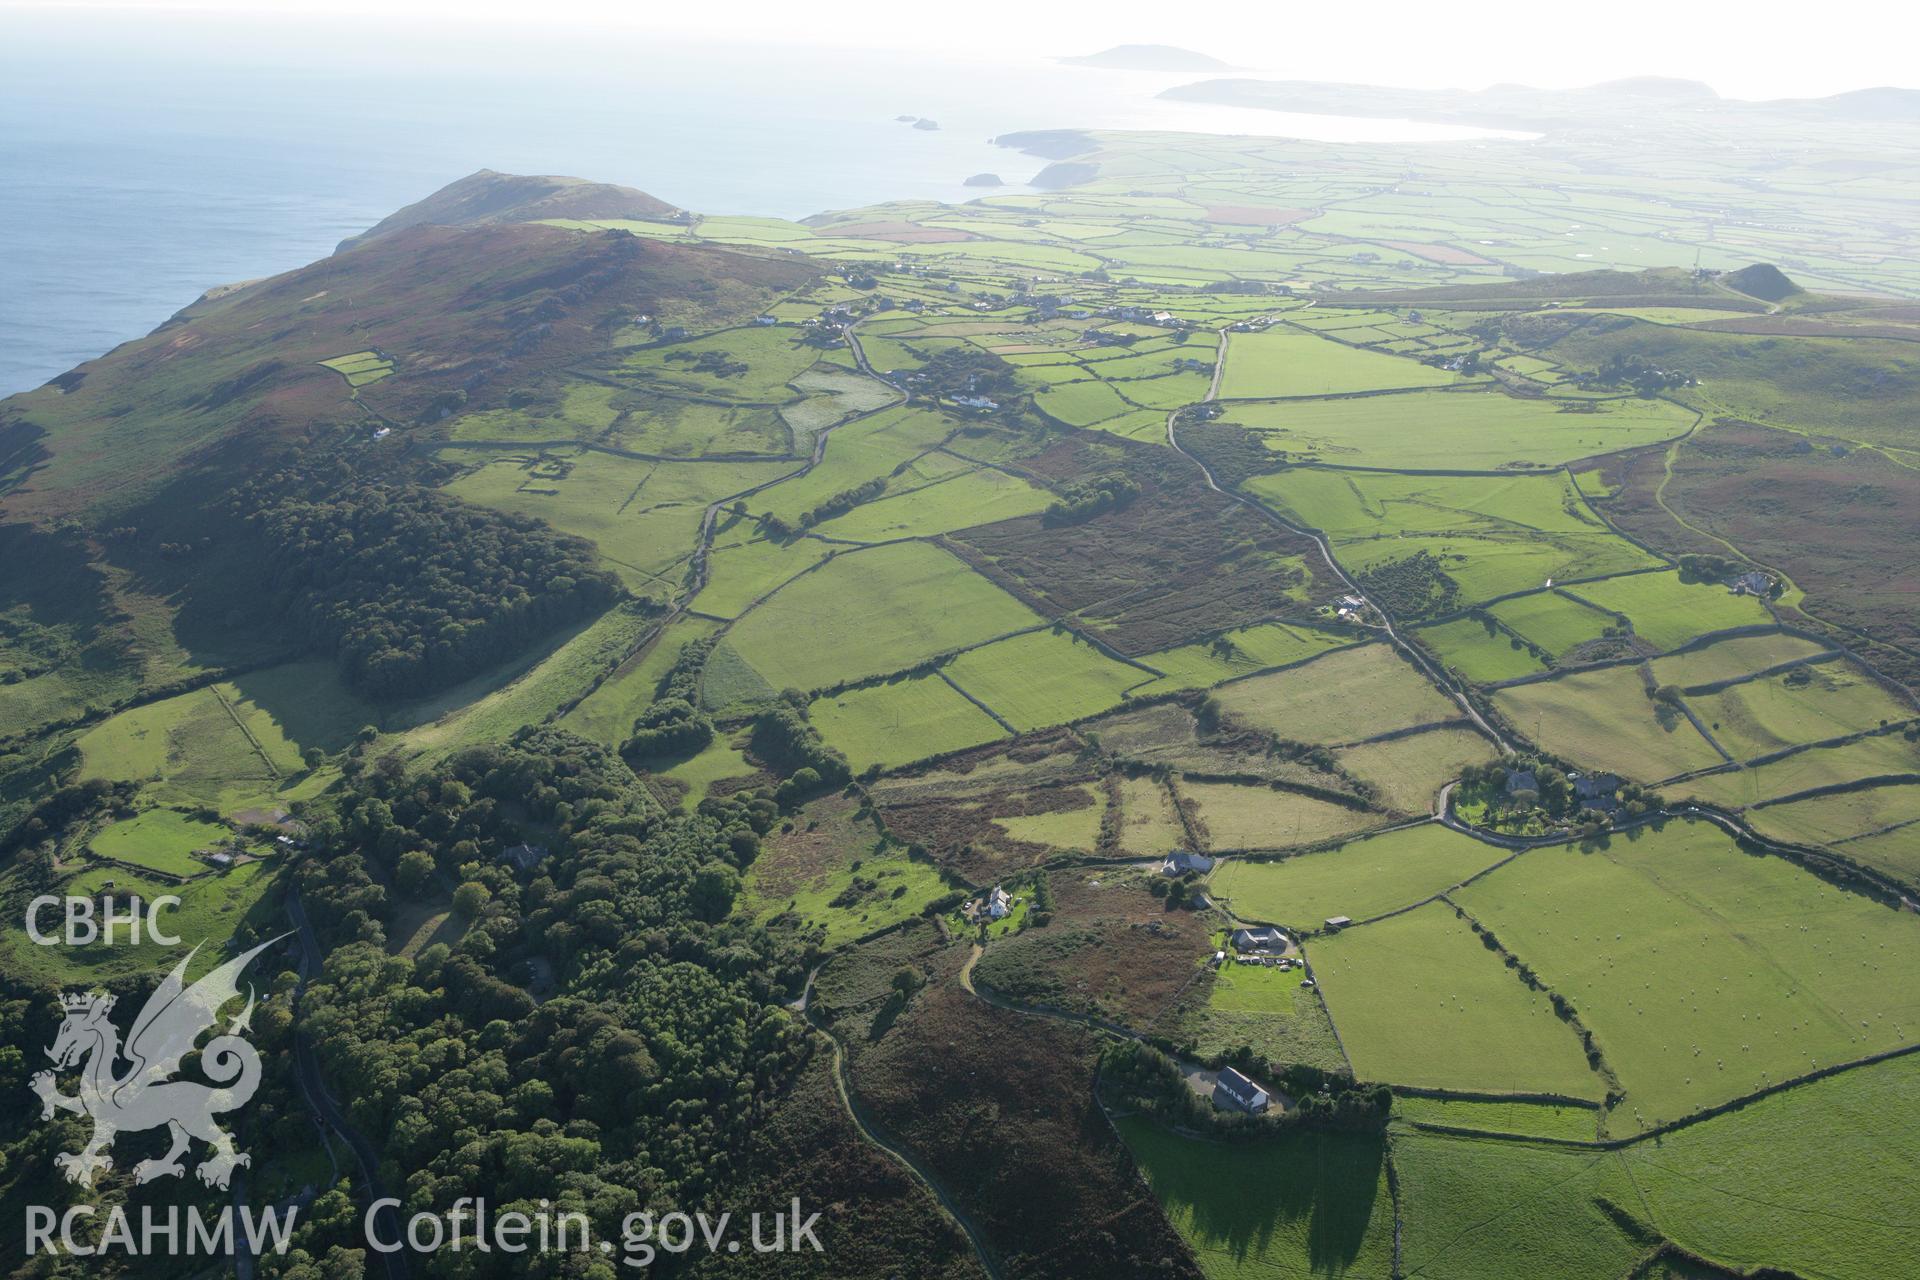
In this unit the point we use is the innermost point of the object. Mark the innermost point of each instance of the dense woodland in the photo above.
(659, 1043)
(410, 589)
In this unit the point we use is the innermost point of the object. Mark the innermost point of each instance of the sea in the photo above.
(145, 158)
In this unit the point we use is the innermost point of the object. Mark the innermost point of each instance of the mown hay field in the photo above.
(1406, 774)
(866, 613)
(1043, 678)
(1480, 430)
(1287, 362)
(901, 721)
(1241, 816)
(1345, 696)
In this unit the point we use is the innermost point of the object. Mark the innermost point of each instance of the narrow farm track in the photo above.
(901, 1155)
(699, 559)
(1412, 651)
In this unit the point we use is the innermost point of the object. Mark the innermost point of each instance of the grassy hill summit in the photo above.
(1762, 280)
(486, 197)
(1149, 57)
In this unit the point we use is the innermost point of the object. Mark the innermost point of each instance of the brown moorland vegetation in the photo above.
(1175, 562)
(1017, 1136)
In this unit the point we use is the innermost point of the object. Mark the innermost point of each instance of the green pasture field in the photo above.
(1043, 677)
(643, 516)
(1081, 404)
(1482, 1209)
(1279, 363)
(1479, 655)
(1603, 719)
(1731, 659)
(727, 680)
(1668, 315)
(1148, 824)
(162, 840)
(891, 355)
(1073, 830)
(692, 429)
(833, 395)
(1705, 972)
(1878, 756)
(721, 759)
(1149, 425)
(1532, 367)
(1896, 852)
(1552, 621)
(1257, 989)
(1715, 1187)
(607, 714)
(287, 709)
(232, 745)
(1304, 1035)
(1835, 699)
(1345, 696)
(866, 613)
(360, 368)
(1836, 818)
(1299, 1204)
(1360, 879)
(1419, 1001)
(1667, 612)
(586, 411)
(1046, 369)
(1255, 648)
(1164, 393)
(1477, 430)
(1534, 1119)
(903, 720)
(1407, 773)
(1243, 816)
(489, 707)
(743, 567)
(774, 356)
(211, 909)
(883, 446)
(190, 735)
(1493, 534)
(1158, 365)
(957, 500)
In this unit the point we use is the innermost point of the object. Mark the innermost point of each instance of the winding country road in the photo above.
(307, 1066)
(1412, 651)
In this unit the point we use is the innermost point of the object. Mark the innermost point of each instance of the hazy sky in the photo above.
(1753, 48)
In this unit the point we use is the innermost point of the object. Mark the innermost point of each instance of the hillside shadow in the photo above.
(1320, 1189)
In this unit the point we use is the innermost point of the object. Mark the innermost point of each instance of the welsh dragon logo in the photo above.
(144, 1094)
